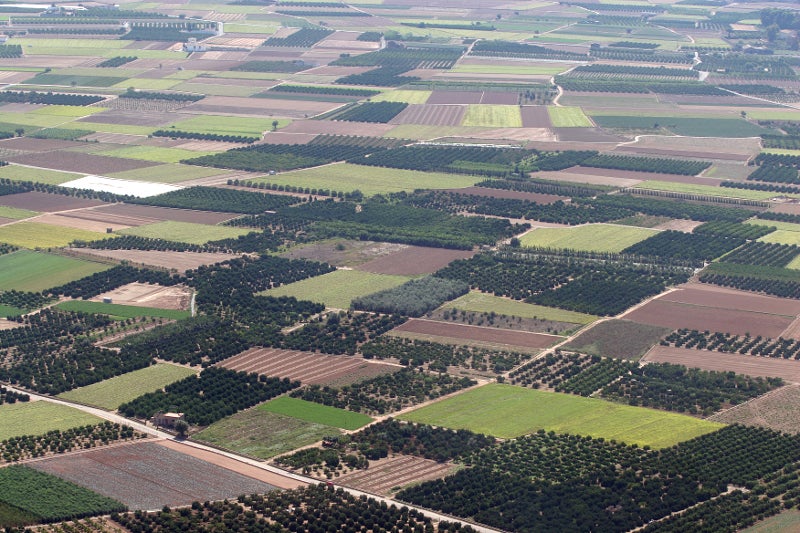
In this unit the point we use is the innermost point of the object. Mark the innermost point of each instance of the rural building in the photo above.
(167, 420)
(194, 46)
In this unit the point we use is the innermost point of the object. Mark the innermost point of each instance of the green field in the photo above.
(785, 226)
(10, 310)
(210, 89)
(588, 238)
(170, 173)
(184, 232)
(121, 311)
(69, 111)
(260, 433)
(34, 271)
(480, 302)
(369, 180)
(75, 80)
(407, 96)
(707, 190)
(522, 69)
(113, 392)
(785, 522)
(689, 126)
(316, 413)
(16, 214)
(568, 117)
(507, 411)
(148, 84)
(337, 289)
(35, 235)
(492, 116)
(782, 237)
(228, 125)
(158, 154)
(36, 418)
(423, 132)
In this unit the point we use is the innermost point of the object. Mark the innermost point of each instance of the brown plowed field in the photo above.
(166, 213)
(47, 203)
(539, 198)
(110, 219)
(259, 106)
(636, 175)
(431, 115)
(4, 220)
(78, 223)
(477, 333)
(776, 410)
(397, 471)
(77, 162)
(575, 177)
(330, 127)
(676, 316)
(703, 154)
(455, 97)
(500, 98)
(280, 137)
(715, 296)
(414, 260)
(114, 138)
(28, 144)
(765, 367)
(308, 367)
(180, 261)
(686, 226)
(535, 116)
(790, 208)
(515, 134)
(793, 330)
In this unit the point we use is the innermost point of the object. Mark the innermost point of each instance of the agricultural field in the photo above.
(224, 125)
(187, 232)
(36, 236)
(337, 289)
(121, 312)
(492, 116)
(507, 411)
(38, 417)
(35, 271)
(569, 117)
(39, 175)
(316, 413)
(618, 338)
(113, 392)
(589, 238)
(481, 302)
(409, 97)
(16, 214)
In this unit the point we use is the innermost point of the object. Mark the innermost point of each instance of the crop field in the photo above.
(37, 418)
(163, 476)
(693, 127)
(589, 238)
(765, 367)
(782, 237)
(155, 153)
(706, 190)
(34, 235)
(480, 302)
(775, 410)
(493, 116)
(306, 367)
(386, 475)
(568, 117)
(121, 312)
(337, 289)
(263, 434)
(714, 296)
(507, 411)
(414, 260)
(454, 333)
(40, 175)
(184, 232)
(522, 69)
(113, 392)
(16, 214)
(369, 180)
(618, 338)
(228, 125)
(170, 173)
(316, 413)
(781, 523)
(35, 271)
(409, 97)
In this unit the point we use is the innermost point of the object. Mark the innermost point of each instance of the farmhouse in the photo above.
(167, 420)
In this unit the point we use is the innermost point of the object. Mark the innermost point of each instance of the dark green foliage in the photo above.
(302, 38)
(271, 66)
(563, 160)
(647, 164)
(775, 174)
(751, 186)
(108, 280)
(672, 209)
(730, 512)
(9, 396)
(116, 61)
(457, 159)
(34, 97)
(57, 441)
(177, 134)
(763, 253)
(629, 70)
(413, 298)
(339, 333)
(381, 77)
(542, 187)
(596, 376)
(521, 50)
(370, 36)
(733, 229)
(211, 396)
(386, 393)
(177, 34)
(746, 66)
(62, 134)
(131, 242)
(552, 370)
(401, 59)
(696, 247)
(10, 51)
(8, 186)
(378, 112)
(779, 348)
(27, 301)
(781, 217)
(50, 498)
(335, 91)
(217, 199)
(755, 89)
(784, 142)
(149, 95)
(765, 158)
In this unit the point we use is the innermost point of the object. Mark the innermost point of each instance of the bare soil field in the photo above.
(130, 118)
(622, 339)
(676, 316)
(715, 296)
(8, 324)
(78, 162)
(276, 480)
(636, 175)
(414, 260)
(793, 330)
(431, 115)
(208, 146)
(280, 137)
(477, 333)
(330, 127)
(159, 214)
(776, 410)
(574, 177)
(455, 97)
(397, 471)
(149, 295)
(108, 219)
(539, 198)
(700, 100)
(684, 153)
(765, 367)
(307, 367)
(114, 138)
(500, 98)
(180, 261)
(77, 223)
(588, 135)
(235, 82)
(17, 107)
(677, 224)
(259, 107)
(344, 252)
(548, 145)
(28, 144)
(149, 476)
(788, 207)
(535, 116)
(46, 202)
(703, 146)
(515, 134)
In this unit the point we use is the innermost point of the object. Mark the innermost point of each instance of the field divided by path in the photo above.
(459, 333)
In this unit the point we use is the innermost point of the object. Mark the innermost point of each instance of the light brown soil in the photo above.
(793, 330)
(535, 116)
(574, 177)
(130, 118)
(684, 153)
(776, 410)
(477, 333)
(414, 260)
(157, 214)
(396, 471)
(501, 98)
(148, 295)
(788, 207)
(431, 114)
(8, 324)
(45, 202)
(77, 223)
(455, 97)
(715, 296)
(78, 162)
(280, 137)
(686, 226)
(344, 252)
(787, 369)
(180, 261)
(308, 367)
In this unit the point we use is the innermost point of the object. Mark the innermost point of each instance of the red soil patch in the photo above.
(455, 97)
(539, 198)
(77, 162)
(677, 315)
(180, 261)
(535, 116)
(330, 127)
(308, 367)
(715, 296)
(702, 154)
(46, 202)
(159, 214)
(414, 260)
(396, 471)
(766, 367)
(477, 333)
(431, 114)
